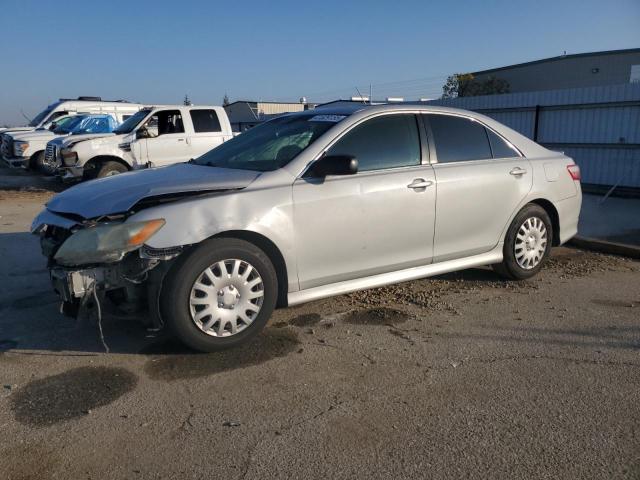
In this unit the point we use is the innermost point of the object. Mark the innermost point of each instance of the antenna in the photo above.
(28, 119)
(364, 99)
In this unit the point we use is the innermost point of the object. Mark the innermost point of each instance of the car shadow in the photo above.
(593, 338)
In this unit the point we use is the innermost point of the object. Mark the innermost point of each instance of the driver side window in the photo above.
(164, 122)
(387, 141)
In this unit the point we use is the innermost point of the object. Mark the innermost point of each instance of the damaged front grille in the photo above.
(160, 253)
(50, 154)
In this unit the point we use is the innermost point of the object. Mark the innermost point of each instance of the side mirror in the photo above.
(53, 126)
(334, 165)
(142, 132)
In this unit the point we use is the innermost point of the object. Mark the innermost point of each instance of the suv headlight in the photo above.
(105, 243)
(19, 148)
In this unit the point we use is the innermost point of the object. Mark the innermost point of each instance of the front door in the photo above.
(376, 221)
(481, 182)
(167, 142)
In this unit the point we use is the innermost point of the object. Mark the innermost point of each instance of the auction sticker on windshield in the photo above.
(327, 118)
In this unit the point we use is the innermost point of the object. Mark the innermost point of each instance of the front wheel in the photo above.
(219, 295)
(527, 243)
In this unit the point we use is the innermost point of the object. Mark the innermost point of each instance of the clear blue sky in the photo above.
(156, 51)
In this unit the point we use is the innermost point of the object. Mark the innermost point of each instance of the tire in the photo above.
(36, 161)
(180, 291)
(527, 244)
(109, 168)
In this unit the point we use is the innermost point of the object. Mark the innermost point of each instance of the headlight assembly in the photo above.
(19, 148)
(105, 243)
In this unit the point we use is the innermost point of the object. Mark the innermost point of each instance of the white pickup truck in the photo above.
(153, 137)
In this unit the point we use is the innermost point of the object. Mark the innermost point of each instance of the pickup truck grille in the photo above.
(7, 146)
(50, 154)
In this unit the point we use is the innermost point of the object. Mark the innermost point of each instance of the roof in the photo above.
(555, 59)
(393, 107)
(268, 101)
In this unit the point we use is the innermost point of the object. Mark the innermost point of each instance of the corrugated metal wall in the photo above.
(599, 127)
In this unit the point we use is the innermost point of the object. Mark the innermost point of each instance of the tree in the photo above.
(465, 85)
(225, 100)
(457, 85)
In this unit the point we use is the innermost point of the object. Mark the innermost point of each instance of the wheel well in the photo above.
(95, 161)
(553, 215)
(274, 254)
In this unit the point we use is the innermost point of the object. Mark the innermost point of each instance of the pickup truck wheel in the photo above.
(527, 244)
(36, 161)
(109, 168)
(219, 295)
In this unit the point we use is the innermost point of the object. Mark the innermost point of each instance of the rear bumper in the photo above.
(568, 216)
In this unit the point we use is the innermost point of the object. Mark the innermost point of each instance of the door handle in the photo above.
(516, 172)
(420, 183)
(181, 139)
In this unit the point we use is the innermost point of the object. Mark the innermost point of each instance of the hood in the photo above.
(118, 194)
(73, 139)
(35, 135)
(11, 130)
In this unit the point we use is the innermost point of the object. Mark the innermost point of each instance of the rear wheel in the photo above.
(527, 243)
(220, 295)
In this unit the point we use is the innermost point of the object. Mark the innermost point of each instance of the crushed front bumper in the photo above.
(70, 173)
(17, 162)
(74, 284)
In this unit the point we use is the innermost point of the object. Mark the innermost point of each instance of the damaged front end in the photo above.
(104, 262)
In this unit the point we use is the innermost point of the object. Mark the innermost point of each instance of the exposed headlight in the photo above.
(70, 157)
(106, 243)
(19, 148)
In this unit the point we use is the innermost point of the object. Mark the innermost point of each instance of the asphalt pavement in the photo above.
(461, 376)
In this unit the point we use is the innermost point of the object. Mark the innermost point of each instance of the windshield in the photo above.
(40, 117)
(102, 124)
(132, 122)
(69, 125)
(271, 145)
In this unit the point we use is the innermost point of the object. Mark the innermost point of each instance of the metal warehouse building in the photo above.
(244, 114)
(593, 69)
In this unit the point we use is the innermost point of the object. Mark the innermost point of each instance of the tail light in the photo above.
(574, 171)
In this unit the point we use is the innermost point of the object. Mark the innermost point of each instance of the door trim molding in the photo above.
(414, 273)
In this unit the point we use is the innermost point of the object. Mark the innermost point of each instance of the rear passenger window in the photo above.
(388, 141)
(205, 121)
(499, 147)
(458, 139)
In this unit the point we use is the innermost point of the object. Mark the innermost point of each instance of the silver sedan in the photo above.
(307, 206)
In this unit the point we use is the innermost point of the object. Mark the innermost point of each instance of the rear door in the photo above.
(481, 180)
(376, 221)
(207, 131)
